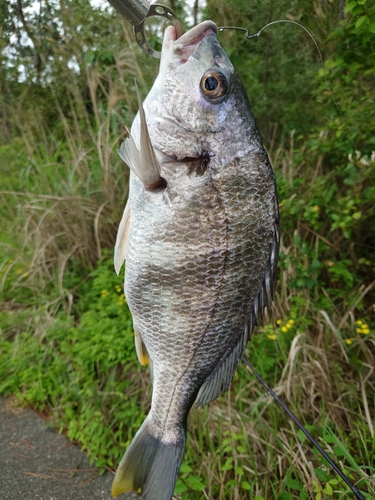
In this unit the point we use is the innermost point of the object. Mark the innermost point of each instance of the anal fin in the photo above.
(218, 382)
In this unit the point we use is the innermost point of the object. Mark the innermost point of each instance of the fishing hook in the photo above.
(257, 34)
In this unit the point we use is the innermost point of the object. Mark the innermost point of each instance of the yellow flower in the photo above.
(19, 271)
(365, 331)
(359, 322)
(278, 321)
(272, 336)
(284, 329)
(291, 321)
(118, 288)
(348, 341)
(316, 208)
(104, 293)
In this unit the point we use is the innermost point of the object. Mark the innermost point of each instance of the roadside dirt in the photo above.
(36, 462)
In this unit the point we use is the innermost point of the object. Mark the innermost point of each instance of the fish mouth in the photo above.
(184, 46)
(196, 34)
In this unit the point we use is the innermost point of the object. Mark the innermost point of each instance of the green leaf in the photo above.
(328, 490)
(301, 436)
(195, 483)
(232, 482)
(321, 475)
(90, 57)
(185, 468)
(245, 485)
(285, 495)
(180, 487)
(228, 464)
(294, 485)
(333, 481)
(350, 6)
(316, 485)
(360, 21)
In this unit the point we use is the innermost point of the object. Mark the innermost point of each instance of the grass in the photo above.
(66, 340)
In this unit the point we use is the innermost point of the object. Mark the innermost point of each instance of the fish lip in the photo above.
(180, 49)
(196, 34)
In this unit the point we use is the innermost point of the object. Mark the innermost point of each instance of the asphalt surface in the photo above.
(38, 463)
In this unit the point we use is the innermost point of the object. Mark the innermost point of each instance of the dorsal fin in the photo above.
(142, 161)
(265, 295)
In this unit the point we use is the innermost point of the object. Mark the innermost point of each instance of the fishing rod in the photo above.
(337, 469)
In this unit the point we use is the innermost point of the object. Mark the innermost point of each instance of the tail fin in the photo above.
(149, 464)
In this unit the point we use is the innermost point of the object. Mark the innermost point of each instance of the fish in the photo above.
(200, 237)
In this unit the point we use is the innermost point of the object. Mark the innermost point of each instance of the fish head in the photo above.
(197, 101)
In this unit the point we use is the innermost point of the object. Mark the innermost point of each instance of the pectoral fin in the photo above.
(143, 161)
(122, 239)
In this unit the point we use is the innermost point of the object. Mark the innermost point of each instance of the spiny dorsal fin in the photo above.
(142, 161)
(122, 239)
(265, 295)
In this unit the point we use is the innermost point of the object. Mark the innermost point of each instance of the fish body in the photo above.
(200, 238)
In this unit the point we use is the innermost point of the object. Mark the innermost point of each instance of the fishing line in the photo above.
(256, 35)
(357, 493)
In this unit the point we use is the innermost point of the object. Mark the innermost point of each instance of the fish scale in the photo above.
(200, 247)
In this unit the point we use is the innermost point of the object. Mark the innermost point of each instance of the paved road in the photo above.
(38, 463)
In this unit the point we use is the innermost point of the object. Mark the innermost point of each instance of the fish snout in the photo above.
(182, 48)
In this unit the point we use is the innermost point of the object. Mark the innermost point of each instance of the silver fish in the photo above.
(200, 235)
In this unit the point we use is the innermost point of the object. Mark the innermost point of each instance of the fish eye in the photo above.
(214, 85)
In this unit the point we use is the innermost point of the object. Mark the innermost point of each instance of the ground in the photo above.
(36, 462)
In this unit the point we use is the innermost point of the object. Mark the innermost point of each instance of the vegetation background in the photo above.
(67, 72)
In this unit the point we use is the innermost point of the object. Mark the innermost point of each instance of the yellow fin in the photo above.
(140, 348)
(121, 485)
(150, 464)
